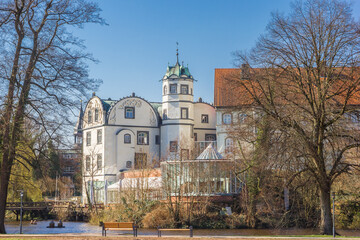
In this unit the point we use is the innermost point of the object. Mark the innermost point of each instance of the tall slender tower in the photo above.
(78, 129)
(177, 112)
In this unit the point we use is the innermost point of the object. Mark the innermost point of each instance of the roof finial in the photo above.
(177, 53)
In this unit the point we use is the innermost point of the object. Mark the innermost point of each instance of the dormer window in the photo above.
(204, 118)
(184, 89)
(89, 116)
(173, 88)
(130, 112)
(96, 115)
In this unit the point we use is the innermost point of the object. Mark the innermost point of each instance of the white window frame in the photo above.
(242, 117)
(132, 111)
(88, 138)
(204, 118)
(127, 138)
(99, 159)
(173, 88)
(229, 144)
(96, 115)
(186, 113)
(87, 163)
(184, 89)
(89, 116)
(142, 138)
(99, 136)
(227, 118)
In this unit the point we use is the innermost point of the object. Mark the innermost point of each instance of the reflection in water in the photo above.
(83, 228)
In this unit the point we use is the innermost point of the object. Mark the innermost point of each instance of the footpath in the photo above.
(173, 237)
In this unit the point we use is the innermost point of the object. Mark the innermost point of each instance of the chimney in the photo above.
(245, 71)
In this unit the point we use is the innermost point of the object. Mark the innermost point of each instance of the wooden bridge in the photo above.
(69, 209)
(15, 206)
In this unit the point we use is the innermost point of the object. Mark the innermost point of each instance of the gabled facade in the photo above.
(133, 133)
(233, 109)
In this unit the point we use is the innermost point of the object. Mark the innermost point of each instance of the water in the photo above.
(82, 228)
(40, 228)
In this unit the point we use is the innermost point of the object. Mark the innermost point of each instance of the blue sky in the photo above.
(140, 40)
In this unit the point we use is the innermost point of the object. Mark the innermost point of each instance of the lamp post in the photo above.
(333, 197)
(21, 209)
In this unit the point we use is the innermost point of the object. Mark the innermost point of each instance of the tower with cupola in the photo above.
(177, 129)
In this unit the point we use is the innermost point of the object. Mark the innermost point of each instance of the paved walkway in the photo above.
(125, 237)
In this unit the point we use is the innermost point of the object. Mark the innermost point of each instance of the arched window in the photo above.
(164, 114)
(127, 138)
(165, 90)
(128, 164)
(210, 137)
(226, 118)
(229, 145)
(96, 115)
(89, 116)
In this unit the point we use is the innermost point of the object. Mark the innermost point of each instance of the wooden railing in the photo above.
(14, 206)
(28, 205)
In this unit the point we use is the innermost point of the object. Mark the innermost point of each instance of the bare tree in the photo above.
(91, 167)
(41, 64)
(304, 74)
(190, 184)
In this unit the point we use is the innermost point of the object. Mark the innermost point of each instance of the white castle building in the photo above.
(130, 133)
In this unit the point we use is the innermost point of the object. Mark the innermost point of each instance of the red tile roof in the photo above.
(229, 93)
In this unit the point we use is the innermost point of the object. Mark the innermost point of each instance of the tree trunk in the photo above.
(4, 182)
(325, 206)
(251, 219)
(6, 159)
(11, 141)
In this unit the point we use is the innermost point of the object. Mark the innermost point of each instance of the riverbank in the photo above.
(81, 230)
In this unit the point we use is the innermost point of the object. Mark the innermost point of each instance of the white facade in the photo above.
(131, 133)
(232, 124)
